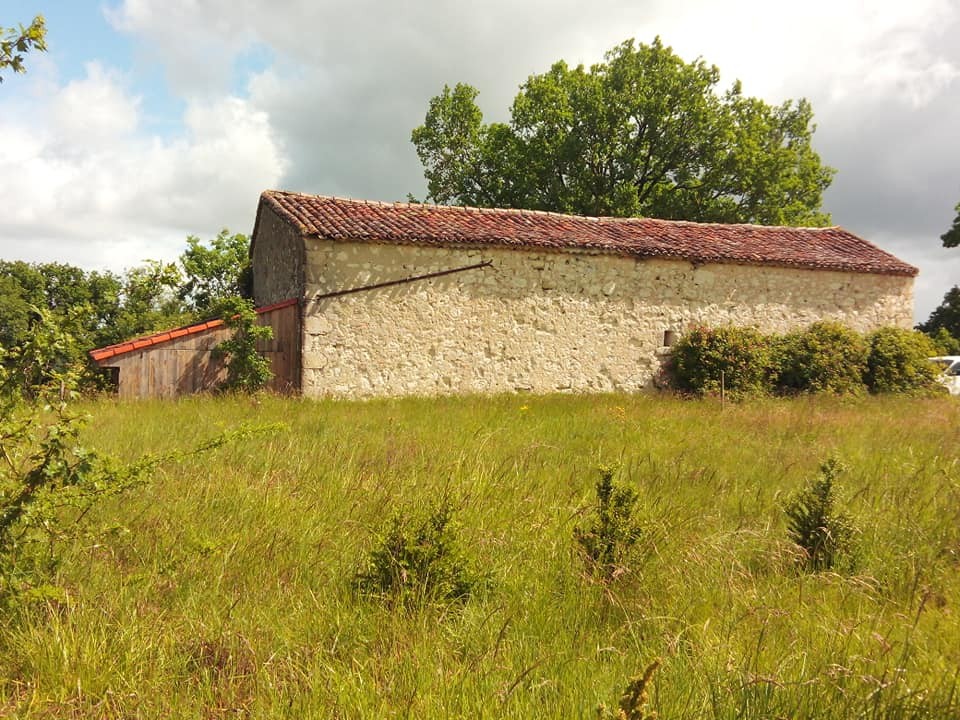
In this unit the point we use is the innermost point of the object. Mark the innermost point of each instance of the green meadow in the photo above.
(223, 587)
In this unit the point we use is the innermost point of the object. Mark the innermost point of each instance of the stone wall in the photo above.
(277, 261)
(546, 321)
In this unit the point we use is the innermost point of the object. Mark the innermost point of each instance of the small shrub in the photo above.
(633, 702)
(825, 535)
(898, 361)
(48, 481)
(741, 355)
(608, 539)
(247, 370)
(418, 561)
(827, 357)
(44, 366)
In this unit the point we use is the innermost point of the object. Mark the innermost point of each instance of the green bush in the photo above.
(418, 560)
(739, 355)
(898, 361)
(247, 369)
(827, 357)
(607, 540)
(825, 535)
(48, 480)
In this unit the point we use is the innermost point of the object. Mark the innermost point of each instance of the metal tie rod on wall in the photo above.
(401, 281)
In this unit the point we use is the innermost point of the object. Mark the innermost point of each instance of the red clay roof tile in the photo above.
(831, 248)
(159, 338)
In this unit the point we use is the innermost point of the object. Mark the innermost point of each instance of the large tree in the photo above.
(951, 238)
(215, 272)
(15, 43)
(643, 133)
(946, 315)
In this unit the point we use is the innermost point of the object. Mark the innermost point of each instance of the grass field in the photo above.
(223, 586)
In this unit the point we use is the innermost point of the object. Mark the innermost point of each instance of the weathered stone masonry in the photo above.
(539, 320)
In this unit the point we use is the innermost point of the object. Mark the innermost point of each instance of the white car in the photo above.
(950, 372)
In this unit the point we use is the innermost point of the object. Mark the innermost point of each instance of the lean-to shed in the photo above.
(183, 361)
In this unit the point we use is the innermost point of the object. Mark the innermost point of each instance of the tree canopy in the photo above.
(951, 238)
(643, 133)
(215, 272)
(946, 316)
(94, 308)
(15, 43)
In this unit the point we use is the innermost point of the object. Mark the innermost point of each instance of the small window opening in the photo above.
(670, 338)
(110, 379)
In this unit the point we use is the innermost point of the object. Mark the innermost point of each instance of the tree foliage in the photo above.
(951, 238)
(946, 316)
(643, 133)
(15, 43)
(84, 304)
(216, 272)
(943, 342)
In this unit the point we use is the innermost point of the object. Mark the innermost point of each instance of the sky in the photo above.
(150, 120)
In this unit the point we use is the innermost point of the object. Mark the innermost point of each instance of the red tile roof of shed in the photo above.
(159, 338)
(831, 248)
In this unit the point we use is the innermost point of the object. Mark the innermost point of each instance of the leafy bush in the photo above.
(43, 364)
(608, 539)
(247, 369)
(418, 561)
(898, 361)
(47, 479)
(825, 535)
(826, 357)
(740, 355)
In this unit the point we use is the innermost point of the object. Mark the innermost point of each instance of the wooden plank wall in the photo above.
(284, 350)
(187, 365)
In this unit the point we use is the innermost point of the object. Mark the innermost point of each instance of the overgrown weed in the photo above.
(263, 543)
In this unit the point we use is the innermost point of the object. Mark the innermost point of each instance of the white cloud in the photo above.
(86, 185)
(195, 42)
(94, 110)
(348, 81)
(830, 50)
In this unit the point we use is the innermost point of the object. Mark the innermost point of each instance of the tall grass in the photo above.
(223, 587)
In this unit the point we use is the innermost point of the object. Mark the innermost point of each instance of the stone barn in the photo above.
(400, 298)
